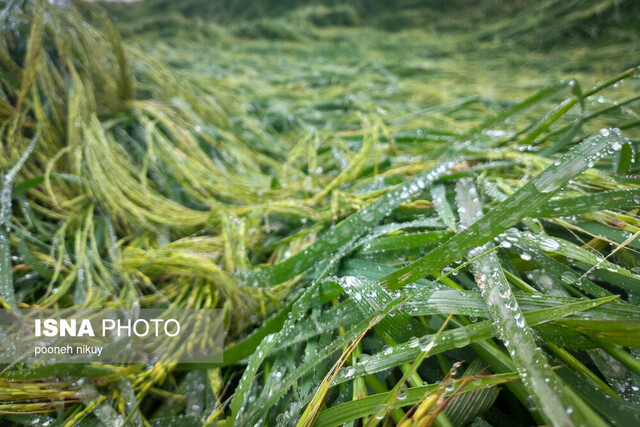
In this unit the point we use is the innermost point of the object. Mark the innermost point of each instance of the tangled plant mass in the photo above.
(408, 217)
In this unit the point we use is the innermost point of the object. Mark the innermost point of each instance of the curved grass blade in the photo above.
(578, 253)
(469, 405)
(516, 207)
(439, 195)
(7, 295)
(440, 302)
(270, 397)
(460, 337)
(521, 106)
(620, 237)
(535, 371)
(309, 416)
(395, 247)
(370, 299)
(567, 206)
(615, 410)
(353, 410)
(354, 226)
(574, 283)
(298, 309)
(621, 332)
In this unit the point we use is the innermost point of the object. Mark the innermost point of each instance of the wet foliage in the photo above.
(424, 216)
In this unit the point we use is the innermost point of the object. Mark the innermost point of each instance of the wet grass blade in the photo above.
(513, 209)
(469, 405)
(353, 410)
(535, 371)
(439, 195)
(354, 226)
(567, 206)
(460, 337)
(7, 294)
(578, 253)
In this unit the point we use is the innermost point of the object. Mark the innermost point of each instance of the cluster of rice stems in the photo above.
(377, 258)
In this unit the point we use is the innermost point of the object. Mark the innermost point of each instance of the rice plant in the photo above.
(407, 217)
